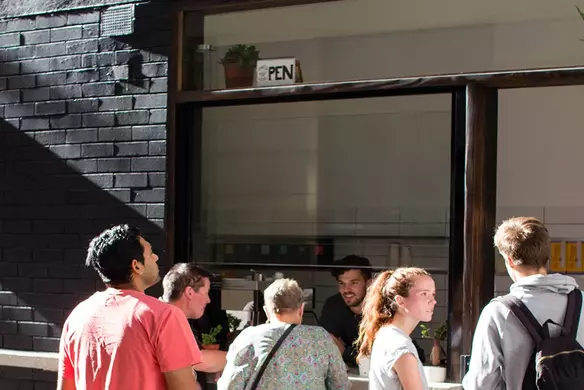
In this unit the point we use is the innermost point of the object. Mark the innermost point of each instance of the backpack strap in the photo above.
(524, 316)
(573, 311)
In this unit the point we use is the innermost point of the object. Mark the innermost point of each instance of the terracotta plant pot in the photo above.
(214, 347)
(435, 354)
(238, 77)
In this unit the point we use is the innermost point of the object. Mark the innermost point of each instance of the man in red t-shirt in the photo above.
(121, 338)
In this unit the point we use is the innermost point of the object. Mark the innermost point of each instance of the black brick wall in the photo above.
(81, 148)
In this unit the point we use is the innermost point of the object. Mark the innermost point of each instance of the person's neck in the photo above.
(404, 323)
(357, 310)
(285, 319)
(128, 286)
(524, 272)
(182, 305)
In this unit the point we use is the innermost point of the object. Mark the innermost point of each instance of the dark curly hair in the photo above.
(352, 262)
(111, 253)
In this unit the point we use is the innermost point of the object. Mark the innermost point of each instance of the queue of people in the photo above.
(121, 338)
(121, 330)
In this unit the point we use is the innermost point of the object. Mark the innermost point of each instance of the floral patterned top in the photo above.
(308, 359)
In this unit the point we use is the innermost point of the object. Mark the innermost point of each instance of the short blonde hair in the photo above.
(284, 295)
(525, 240)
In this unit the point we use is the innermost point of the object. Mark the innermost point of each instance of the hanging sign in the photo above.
(277, 71)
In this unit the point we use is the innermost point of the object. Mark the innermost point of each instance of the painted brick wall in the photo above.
(82, 147)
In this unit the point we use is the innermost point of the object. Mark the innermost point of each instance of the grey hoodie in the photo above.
(501, 347)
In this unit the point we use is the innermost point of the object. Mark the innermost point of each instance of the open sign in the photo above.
(276, 71)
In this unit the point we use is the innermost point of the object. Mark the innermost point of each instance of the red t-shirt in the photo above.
(124, 339)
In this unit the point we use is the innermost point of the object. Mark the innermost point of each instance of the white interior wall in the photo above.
(379, 167)
(356, 17)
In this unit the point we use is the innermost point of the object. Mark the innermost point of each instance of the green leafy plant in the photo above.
(438, 334)
(246, 56)
(233, 322)
(580, 12)
(211, 337)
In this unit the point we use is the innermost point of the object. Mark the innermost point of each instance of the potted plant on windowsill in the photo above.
(436, 372)
(239, 64)
(210, 339)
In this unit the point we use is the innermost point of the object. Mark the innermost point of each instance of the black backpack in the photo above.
(557, 362)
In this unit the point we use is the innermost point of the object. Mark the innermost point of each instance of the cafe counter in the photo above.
(362, 383)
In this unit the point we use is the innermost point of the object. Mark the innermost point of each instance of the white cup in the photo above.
(364, 363)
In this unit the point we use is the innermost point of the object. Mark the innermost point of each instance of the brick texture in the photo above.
(79, 151)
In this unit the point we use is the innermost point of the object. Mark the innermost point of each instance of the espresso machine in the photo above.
(244, 297)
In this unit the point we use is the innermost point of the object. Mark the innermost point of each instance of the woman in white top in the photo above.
(395, 303)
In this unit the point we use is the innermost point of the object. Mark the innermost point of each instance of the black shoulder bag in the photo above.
(270, 356)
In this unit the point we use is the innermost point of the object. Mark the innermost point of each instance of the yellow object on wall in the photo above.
(557, 263)
(573, 263)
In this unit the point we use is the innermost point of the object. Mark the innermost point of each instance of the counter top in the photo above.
(362, 383)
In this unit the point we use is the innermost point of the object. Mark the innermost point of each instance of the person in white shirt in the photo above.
(394, 305)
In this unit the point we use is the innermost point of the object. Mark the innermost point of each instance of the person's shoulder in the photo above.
(335, 298)
(315, 333)
(84, 307)
(316, 337)
(334, 301)
(154, 306)
(496, 309)
(393, 338)
(248, 336)
(152, 302)
(393, 332)
(313, 329)
(494, 316)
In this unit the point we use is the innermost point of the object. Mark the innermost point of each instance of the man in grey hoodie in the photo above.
(502, 348)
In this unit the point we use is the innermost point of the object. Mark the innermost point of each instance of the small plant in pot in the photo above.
(436, 372)
(234, 323)
(210, 339)
(239, 64)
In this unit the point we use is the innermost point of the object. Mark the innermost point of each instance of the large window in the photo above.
(301, 175)
(374, 172)
(290, 187)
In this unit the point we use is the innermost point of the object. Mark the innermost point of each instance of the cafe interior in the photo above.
(359, 155)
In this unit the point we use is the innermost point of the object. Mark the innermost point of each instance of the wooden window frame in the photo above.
(473, 156)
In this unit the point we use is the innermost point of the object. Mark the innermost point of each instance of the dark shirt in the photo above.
(212, 317)
(342, 323)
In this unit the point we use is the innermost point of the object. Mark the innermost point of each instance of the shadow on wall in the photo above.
(49, 212)
(67, 175)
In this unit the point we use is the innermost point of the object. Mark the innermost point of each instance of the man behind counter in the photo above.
(341, 312)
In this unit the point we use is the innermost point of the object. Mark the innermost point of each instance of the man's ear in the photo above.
(510, 262)
(137, 267)
(369, 281)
